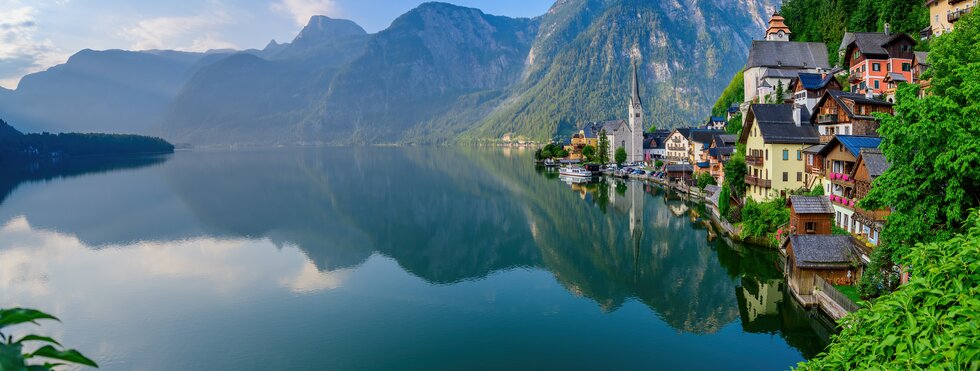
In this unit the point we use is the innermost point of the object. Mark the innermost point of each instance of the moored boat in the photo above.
(577, 172)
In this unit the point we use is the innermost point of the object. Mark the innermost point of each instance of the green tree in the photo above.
(705, 179)
(724, 201)
(562, 153)
(929, 323)
(602, 155)
(589, 153)
(734, 125)
(778, 94)
(12, 355)
(546, 153)
(733, 93)
(620, 155)
(761, 219)
(658, 165)
(817, 190)
(735, 172)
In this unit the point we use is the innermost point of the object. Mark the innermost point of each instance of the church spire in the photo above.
(635, 99)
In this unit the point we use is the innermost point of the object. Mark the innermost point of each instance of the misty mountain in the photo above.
(112, 91)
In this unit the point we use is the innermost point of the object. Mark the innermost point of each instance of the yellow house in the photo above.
(775, 136)
(943, 14)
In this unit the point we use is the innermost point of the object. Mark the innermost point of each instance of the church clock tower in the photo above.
(634, 148)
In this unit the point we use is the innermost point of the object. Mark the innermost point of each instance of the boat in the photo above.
(550, 163)
(576, 172)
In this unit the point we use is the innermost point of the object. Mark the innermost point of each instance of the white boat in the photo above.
(576, 172)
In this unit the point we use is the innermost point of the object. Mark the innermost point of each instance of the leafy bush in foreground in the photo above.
(12, 356)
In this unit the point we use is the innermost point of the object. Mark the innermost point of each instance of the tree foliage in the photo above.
(733, 94)
(762, 219)
(12, 355)
(735, 172)
(817, 190)
(589, 153)
(620, 155)
(705, 179)
(17, 146)
(931, 322)
(602, 153)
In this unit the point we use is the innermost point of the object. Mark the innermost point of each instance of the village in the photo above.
(803, 136)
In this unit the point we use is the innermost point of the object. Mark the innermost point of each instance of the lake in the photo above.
(384, 259)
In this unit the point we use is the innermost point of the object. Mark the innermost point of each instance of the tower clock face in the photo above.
(781, 34)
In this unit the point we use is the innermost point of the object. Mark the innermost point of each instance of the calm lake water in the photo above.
(384, 258)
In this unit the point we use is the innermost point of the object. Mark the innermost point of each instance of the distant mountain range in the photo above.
(438, 74)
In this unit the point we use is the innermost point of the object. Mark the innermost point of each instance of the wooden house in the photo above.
(843, 113)
(813, 167)
(840, 157)
(835, 258)
(810, 215)
(810, 87)
(871, 163)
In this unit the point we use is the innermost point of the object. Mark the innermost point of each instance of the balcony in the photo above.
(764, 183)
(871, 215)
(956, 15)
(828, 119)
(842, 180)
(954, 2)
(754, 160)
(843, 201)
(815, 170)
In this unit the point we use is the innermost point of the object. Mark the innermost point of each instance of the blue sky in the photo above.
(37, 34)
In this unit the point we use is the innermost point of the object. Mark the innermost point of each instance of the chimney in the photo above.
(797, 115)
(888, 29)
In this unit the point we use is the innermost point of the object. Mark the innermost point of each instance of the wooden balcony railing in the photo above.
(815, 171)
(827, 119)
(764, 183)
(754, 160)
(872, 215)
(956, 15)
(843, 180)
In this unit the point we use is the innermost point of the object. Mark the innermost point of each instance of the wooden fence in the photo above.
(832, 292)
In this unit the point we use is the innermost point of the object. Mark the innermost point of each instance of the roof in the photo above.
(678, 168)
(875, 161)
(896, 77)
(733, 108)
(704, 165)
(814, 149)
(922, 57)
(776, 124)
(610, 126)
(787, 54)
(840, 96)
(718, 119)
(722, 151)
(684, 132)
(656, 139)
(725, 140)
(870, 43)
(635, 85)
(702, 135)
(824, 250)
(815, 81)
(811, 204)
(776, 73)
(853, 143)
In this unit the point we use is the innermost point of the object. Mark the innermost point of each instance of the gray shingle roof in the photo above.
(841, 96)
(897, 77)
(875, 161)
(777, 125)
(922, 57)
(811, 204)
(824, 251)
(868, 42)
(677, 168)
(783, 54)
(703, 135)
(814, 149)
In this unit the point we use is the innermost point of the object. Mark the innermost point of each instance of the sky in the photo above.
(38, 34)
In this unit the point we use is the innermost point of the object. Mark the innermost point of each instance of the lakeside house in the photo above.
(777, 61)
(716, 123)
(678, 145)
(844, 113)
(655, 145)
(698, 141)
(840, 157)
(871, 163)
(775, 136)
(810, 215)
(943, 15)
(872, 56)
(588, 135)
(810, 87)
(719, 152)
(834, 258)
(680, 173)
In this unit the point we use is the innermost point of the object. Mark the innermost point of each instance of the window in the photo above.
(877, 84)
(785, 154)
(888, 66)
(799, 155)
(906, 67)
(810, 227)
(785, 176)
(799, 176)
(767, 153)
(875, 67)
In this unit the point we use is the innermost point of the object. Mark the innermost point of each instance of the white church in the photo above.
(627, 134)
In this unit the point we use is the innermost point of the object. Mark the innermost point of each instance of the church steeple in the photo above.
(777, 31)
(635, 98)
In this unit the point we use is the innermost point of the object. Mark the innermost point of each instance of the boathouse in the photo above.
(810, 215)
(835, 258)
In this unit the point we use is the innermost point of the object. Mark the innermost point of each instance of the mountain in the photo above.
(579, 67)
(439, 73)
(431, 60)
(112, 91)
(258, 97)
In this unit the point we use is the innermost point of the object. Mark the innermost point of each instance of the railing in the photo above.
(824, 139)
(754, 160)
(843, 180)
(956, 14)
(845, 302)
(815, 170)
(827, 119)
(843, 201)
(873, 215)
(764, 183)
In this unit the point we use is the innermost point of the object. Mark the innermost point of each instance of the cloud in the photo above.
(302, 10)
(21, 52)
(188, 33)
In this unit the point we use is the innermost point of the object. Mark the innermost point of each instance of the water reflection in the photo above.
(244, 226)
